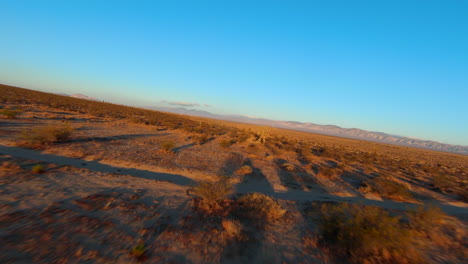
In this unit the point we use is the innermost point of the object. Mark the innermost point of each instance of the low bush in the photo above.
(47, 135)
(426, 218)
(168, 145)
(210, 195)
(388, 189)
(260, 207)
(443, 182)
(329, 172)
(367, 234)
(227, 143)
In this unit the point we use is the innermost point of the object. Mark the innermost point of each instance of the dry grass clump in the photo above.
(443, 182)
(47, 135)
(387, 189)
(244, 170)
(367, 234)
(10, 113)
(426, 218)
(225, 143)
(329, 172)
(260, 207)
(168, 146)
(211, 195)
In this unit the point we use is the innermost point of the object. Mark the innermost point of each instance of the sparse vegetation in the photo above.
(386, 188)
(168, 146)
(211, 194)
(329, 172)
(260, 207)
(46, 135)
(367, 234)
(225, 143)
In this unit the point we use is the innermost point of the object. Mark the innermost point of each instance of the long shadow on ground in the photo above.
(95, 165)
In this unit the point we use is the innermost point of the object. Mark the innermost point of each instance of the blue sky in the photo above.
(399, 67)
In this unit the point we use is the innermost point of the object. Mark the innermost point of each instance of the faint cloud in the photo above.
(207, 105)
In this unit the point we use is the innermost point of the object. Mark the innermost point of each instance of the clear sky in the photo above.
(399, 67)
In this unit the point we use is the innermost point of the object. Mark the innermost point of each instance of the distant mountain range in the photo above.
(330, 130)
(81, 96)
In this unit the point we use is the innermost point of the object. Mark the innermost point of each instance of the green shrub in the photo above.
(367, 234)
(38, 169)
(47, 135)
(260, 207)
(168, 145)
(10, 113)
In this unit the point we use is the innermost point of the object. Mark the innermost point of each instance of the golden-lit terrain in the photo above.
(93, 182)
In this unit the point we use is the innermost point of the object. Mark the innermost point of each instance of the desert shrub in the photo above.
(426, 218)
(38, 169)
(244, 170)
(47, 134)
(443, 182)
(329, 172)
(367, 234)
(227, 143)
(389, 189)
(260, 207)
(200, 139)
(168, 145)
(10, 113)
(213, 191)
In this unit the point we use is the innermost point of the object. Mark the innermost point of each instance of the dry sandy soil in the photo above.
(111, 187)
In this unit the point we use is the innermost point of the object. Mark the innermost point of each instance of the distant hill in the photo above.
(330, 130)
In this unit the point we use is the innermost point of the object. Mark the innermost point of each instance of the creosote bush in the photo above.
(47, 135)
(367, 234)
(260, 207)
